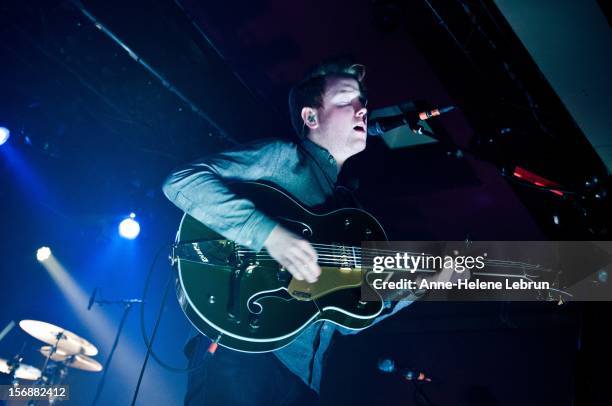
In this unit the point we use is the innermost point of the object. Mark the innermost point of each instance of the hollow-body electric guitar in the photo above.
(246, 301)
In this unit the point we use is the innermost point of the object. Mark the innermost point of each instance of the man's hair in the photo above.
(310, 90)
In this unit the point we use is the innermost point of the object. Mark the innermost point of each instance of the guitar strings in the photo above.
(333, 259)
(349, 254)
(334, 252)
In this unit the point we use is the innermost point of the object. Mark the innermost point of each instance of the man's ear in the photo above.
(309, 117)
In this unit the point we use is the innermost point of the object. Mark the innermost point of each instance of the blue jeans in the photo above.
(236, 378)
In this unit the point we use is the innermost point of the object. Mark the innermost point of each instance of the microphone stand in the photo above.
(419, 129)
(592, 191)
(459, 152)
(127, 305)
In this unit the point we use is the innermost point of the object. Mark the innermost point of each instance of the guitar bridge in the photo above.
(301, 295)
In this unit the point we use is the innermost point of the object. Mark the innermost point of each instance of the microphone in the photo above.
(380, 125)
(92, 299)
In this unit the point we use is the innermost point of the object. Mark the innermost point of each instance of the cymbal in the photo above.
(48, 333)
(78, 361)
(23, 371)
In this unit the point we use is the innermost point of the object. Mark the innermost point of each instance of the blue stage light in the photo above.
(129, 228)
(4, 135)
(43, 253)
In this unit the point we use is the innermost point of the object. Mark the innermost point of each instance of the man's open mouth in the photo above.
(359, 128)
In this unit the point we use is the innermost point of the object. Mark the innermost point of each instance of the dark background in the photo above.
(94, 134)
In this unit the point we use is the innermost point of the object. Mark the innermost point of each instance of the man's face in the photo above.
(343, 117)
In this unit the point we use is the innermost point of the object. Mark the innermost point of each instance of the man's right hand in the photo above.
(293, 253)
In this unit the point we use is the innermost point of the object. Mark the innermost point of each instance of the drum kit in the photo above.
(64, 350)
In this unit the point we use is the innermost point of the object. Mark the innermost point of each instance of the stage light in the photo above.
(43, 253)
(129, 228)
(4, 135)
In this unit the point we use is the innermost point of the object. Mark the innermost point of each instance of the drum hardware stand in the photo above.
(43, 380)
(13, 365)
(61, 370)
(58, 370)
(53, 349)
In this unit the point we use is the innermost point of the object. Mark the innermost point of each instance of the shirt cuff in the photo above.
(255, 231)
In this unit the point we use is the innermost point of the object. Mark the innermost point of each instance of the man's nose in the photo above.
(362, 112)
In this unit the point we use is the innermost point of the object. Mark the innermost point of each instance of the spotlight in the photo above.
(4, 135)
(43, 253)
(129, 228)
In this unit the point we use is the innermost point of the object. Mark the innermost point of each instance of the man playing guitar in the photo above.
(328, 111)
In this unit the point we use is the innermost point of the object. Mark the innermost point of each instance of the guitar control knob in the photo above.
(253, 322)
(211, 299)
(283, 275)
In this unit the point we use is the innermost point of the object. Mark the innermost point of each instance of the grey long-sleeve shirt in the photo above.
(307, 171)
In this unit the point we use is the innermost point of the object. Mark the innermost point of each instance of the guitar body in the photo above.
(247, 302)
